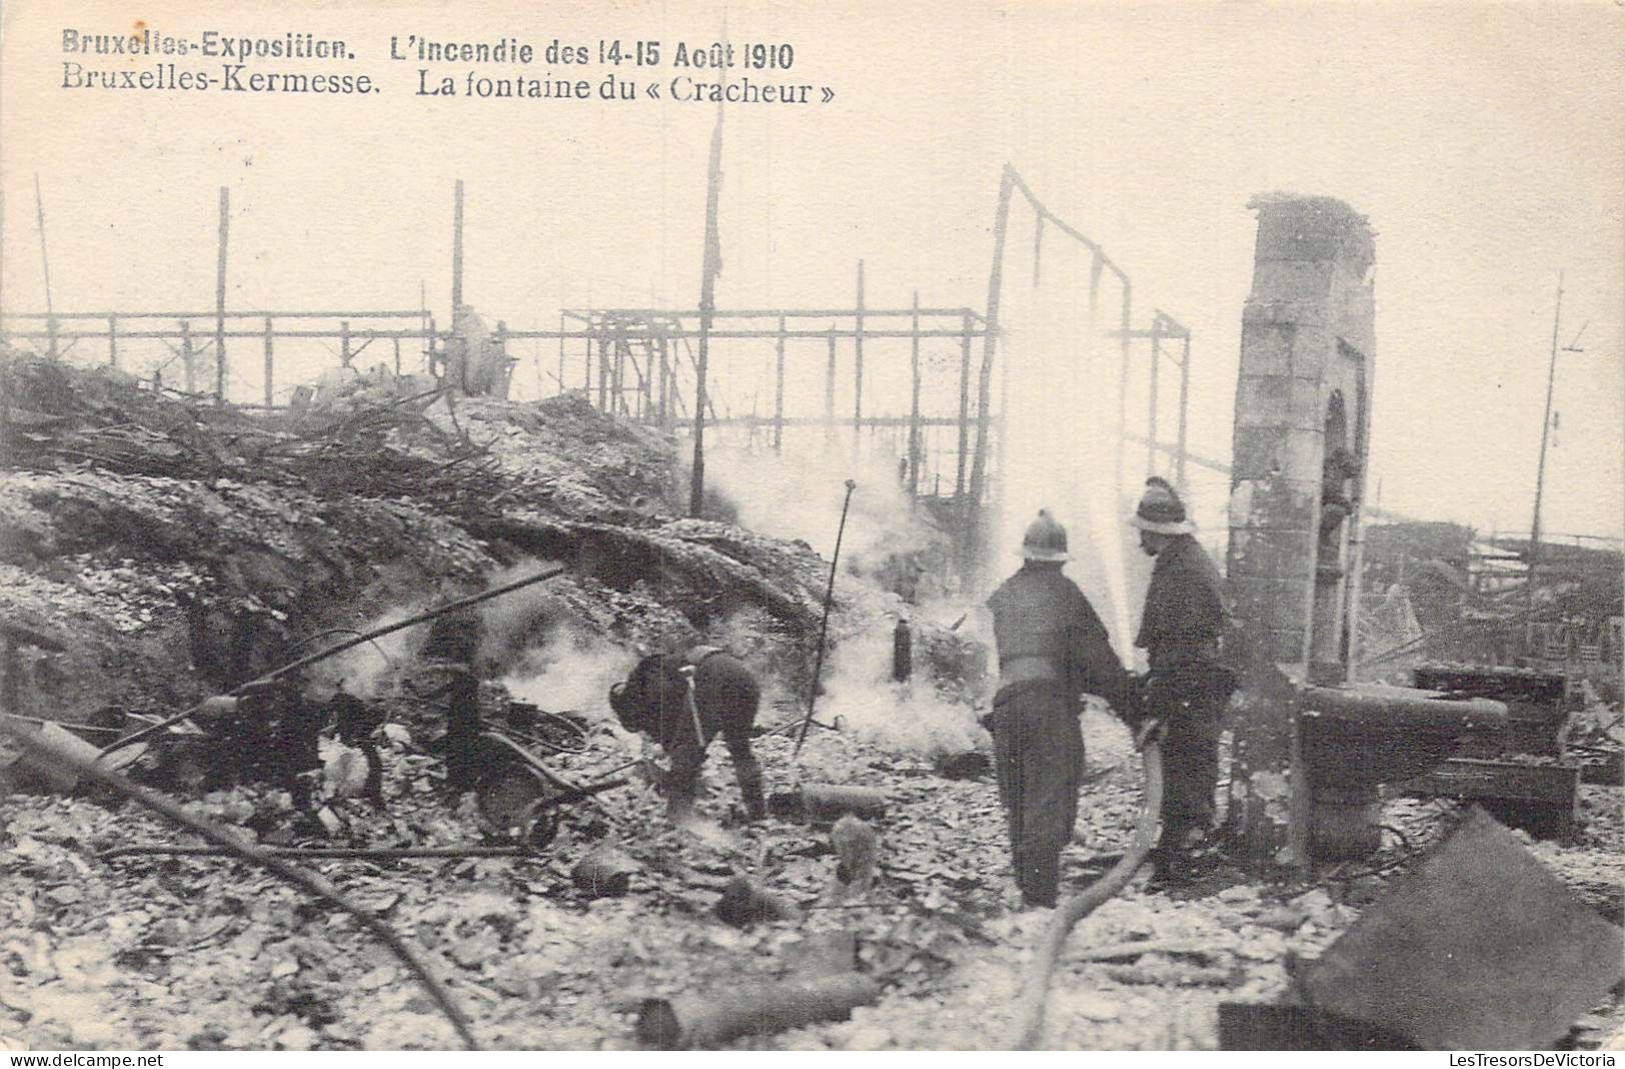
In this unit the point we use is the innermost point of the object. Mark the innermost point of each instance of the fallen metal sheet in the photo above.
(1479, 947)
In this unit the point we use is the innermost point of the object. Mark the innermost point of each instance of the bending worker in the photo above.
(1184, 695)
(1052, 649)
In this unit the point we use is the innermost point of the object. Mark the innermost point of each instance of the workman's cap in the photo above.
(1161, 511)
(1045, 539)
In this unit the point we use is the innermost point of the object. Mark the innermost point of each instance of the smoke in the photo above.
(906, 717)
(569, 670)
(799, 496)
(364, 668)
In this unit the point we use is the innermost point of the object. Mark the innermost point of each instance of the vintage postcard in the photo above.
(888, 526)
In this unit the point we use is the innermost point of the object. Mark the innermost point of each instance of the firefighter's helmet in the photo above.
(1045, 539)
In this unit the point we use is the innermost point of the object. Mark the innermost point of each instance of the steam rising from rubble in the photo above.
(907, 717)
(531, 642)
(571, 671)
(362, 669)
(799, 496)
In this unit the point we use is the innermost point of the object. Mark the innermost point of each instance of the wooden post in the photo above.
(1122, 385)
(664, 390)
(270, 362)
(220, 299)
(857, 366)
(112, 341)
(345, 355)
(499, 373)
(45, 266)
(778, 394)
(914, 404)
(2, 264)
(457, 252)
(397, 356)
(829, 389)
(1184, 401)
(618, 375)
(710, 267)
(603, 372)
(964, 405)
(1151, 415)
(561, 353)
(188, 358)
(1531, 600)
(984, 400)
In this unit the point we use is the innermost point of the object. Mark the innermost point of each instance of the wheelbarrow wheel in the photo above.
(518, 803)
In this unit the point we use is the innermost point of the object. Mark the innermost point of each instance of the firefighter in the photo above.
(684, 702)
(1052, 649)
(1183, 696)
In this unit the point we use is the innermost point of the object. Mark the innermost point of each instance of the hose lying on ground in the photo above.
(44, 749)
(1035, 993)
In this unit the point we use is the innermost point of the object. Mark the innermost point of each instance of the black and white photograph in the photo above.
(752, 526)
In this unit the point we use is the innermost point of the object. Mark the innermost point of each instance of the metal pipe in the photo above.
(823, 628)
(377, 632)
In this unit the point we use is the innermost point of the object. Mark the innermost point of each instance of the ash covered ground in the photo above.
(169, 548)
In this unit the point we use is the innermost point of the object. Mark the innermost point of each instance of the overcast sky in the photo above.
(1483, 143)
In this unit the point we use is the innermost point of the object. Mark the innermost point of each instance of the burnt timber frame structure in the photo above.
(635, 361)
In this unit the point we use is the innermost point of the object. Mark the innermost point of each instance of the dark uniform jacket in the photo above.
(1181, 629)
(1039, 612)
(1184, 609)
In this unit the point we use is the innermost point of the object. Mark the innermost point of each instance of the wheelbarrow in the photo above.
(518, 797)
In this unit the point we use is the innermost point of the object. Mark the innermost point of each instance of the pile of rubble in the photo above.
(152, 535)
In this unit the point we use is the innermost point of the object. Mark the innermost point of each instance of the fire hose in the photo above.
(1035, 992)
(44, 749)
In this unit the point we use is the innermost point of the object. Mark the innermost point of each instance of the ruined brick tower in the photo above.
(1301, 428)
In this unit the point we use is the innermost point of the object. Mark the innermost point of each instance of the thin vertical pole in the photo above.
(344, 343)
(618, 375)
(2, 263)
(45, 266)
(603, 372)
(1151, 415)
(220, 299)
(270, 361)
(188, 358)
(829, 389)
(397, 357)
(666, 384)
(984, 391)
(1540, 471)
(857, 366)
(457, 252)
(586, 362)
(1122, 383)
(500, 371)
(778, 393)
(1184, 404)
(914, 403)
(112, 341)
(710, 267)
(964, 405)
(561, 352)
(424, 325)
